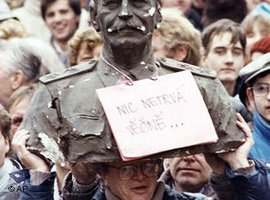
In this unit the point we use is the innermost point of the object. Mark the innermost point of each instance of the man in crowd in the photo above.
(30, 17)
(224, 45)
(177, 38)
(12, 173)
(18, 66)
(62, 18)
(188, 174)
(256, 86)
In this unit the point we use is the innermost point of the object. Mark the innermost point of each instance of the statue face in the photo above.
(125, 23)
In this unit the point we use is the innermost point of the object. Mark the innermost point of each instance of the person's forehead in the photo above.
(98, 4)
(59, 4)
(145, 1)
(195, 156)
(223, 39)
(135, 162)
(265, 78)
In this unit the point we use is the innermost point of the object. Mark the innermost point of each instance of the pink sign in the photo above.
(153, 116)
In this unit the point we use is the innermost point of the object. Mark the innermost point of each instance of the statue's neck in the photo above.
(129, 58)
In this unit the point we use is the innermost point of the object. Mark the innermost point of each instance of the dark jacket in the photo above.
(251, 183)
(251, 186)
(44, 191)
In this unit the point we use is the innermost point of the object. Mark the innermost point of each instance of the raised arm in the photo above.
(82, 182)
(241, 177)
(39, 182)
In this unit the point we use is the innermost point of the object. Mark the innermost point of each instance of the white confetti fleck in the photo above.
(142, 28)
(85, 80)
(49, 104)
(152, 11)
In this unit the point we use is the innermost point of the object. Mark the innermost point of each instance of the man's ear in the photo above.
(203, 58)
(250, 101)
(180, 52)
(166, 163)
(250, 96)
(7, 146)
(17, 79)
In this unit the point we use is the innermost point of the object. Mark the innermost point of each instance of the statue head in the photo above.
(125, 23)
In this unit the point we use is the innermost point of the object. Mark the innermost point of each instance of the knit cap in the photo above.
(263, 45)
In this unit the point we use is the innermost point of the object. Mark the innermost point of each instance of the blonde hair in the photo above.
(86, 35)
(175, 29)
(15, 3)
(263, 22)
(11, 28)
(24, 91)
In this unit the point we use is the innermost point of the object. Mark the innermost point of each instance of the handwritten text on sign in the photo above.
(155, 116)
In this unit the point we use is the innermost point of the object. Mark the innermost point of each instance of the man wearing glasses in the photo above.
(257, 80)
(138, 179)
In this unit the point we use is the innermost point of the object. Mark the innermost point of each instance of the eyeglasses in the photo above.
(126, 172)
(260, 89)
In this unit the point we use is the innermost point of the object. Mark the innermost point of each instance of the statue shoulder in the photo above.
(69, 72)
(174, 65)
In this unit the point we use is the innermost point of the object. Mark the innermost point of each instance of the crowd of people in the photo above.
(55, 139)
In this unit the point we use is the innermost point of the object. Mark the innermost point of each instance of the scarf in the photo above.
(261, 137)
(261, 127)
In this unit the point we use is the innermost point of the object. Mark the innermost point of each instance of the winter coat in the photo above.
(250, 183)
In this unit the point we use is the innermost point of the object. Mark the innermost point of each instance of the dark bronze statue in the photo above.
(66, 106)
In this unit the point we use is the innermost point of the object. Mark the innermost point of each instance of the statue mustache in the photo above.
(128, 25)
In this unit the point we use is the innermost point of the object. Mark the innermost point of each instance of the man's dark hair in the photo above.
(222, 26)
(74, 4)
